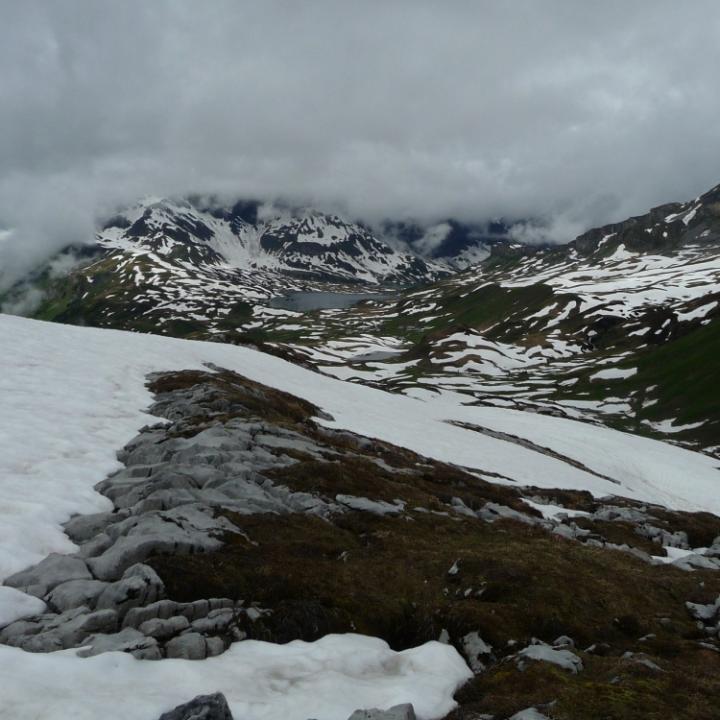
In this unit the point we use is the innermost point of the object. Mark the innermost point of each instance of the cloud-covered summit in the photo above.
(570, 113)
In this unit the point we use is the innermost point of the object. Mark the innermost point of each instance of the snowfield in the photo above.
(72, 397)
(326, 680)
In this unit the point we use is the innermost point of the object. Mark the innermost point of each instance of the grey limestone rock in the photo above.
(165, 499)
(140, 585)
(196, 609)
(704, 613)
(490, 512)
(74, 593)
(217, 621)
(540, 652)
(215, 646)
(697, 562)
(397, 712)
(127, 640)
(162, 609)
(98, 545)
(82, 528)
(47, 574)
(191, 646)
(59, 632)
(186, 529)
(625, 514)
(529, 714)
(203, 707)
(164, 629)
(14, 633)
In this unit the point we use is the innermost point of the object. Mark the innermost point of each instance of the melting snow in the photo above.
(614, 374)
(327, 680)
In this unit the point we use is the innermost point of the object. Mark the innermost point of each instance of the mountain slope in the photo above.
(263, 495)
(619, 327)
(304, 243)
(170, 267)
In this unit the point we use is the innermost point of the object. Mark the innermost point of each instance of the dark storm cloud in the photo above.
(568, 112)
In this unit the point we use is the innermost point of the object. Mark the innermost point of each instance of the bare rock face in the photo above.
(203, 707)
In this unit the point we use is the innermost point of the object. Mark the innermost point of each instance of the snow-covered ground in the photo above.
(630, 280)
(71, 397)
(327, 680)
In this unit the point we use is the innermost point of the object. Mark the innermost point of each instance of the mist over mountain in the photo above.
(574, 117)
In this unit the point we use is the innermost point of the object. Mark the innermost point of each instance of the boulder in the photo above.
(544, 653)
(75, 593)
(181, 530)
(162, 609)
(40, 579)
(477, 651)
(16, 605)
(98, 545)
(203, 707)
(217, 621)
(140, 585)
(191, 646)
(127, 640)
(397, 712)
(215, 646)
(195, 609)
(60, 632)
(704, 613)
(529, 714)
(491, 512)
(697, 562)
(82, 528)
(164, 629)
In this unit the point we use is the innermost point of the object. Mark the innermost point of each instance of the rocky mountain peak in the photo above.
(300, 242)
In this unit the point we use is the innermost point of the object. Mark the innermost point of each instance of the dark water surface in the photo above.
(303, 301)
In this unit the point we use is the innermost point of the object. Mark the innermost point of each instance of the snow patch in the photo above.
(327, 680)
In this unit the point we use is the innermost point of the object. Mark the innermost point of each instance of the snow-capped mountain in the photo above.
(181, 266)
(247, 236)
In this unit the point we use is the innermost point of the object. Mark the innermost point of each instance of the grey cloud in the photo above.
(583, 112)
(433, 237)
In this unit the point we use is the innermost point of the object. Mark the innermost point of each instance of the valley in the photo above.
(258, 447)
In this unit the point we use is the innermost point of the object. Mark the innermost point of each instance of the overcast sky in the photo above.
(572, 112)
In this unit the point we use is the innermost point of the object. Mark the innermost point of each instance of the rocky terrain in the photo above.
(483, 507)
(238, 516)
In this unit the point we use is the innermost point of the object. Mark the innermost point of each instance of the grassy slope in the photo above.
(680, 378)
